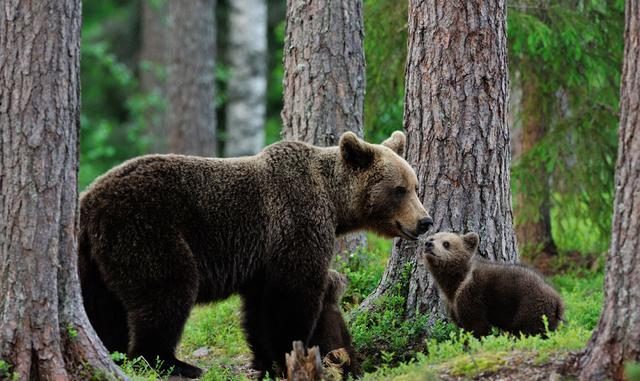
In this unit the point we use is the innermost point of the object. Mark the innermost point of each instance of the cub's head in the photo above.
(386, 187)
(446, 248)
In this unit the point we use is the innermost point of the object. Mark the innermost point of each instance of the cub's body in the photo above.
(480, 294)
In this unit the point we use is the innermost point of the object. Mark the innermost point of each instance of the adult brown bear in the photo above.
(160, 233)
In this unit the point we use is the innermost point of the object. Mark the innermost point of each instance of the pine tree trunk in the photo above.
(617, 338)
(533, 202)
(457, 137)
(191, 118)
(246, 106)
(324, 79)
(153, 54)
(44, 331)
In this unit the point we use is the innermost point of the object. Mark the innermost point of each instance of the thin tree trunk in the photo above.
(324, 79)
(457, 137)
(533, 202)
(153, 54)
(616, 341)
(44, 331)
(247, 85)
(191, 118)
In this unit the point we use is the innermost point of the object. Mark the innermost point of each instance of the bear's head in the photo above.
(447, 249)
(385, 189)
(448, 257)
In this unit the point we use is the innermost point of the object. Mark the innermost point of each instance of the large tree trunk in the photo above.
(324, 79)
(153, 56)
(533, 201)
(457, 137)
(617, 338)
(191, 118)
(247, 85)
(44, 331)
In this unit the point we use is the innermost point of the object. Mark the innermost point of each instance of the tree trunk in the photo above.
(191, 118)
(617, 338)
(457, 137)
(44, 331)
(153, 56)
(533, 201)
(247, 85)
(324, 78)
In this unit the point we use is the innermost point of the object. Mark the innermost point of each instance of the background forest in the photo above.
(565, 59)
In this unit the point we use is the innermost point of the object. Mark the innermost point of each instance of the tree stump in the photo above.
(303, 366)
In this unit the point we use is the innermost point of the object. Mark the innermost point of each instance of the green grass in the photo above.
(383, 336)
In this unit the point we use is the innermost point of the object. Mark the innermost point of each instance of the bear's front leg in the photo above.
(292, 302)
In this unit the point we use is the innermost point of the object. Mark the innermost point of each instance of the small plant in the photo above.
(632, 371)
(6, 373)
(73, 333)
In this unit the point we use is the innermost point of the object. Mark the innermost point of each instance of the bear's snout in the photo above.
(424, 225)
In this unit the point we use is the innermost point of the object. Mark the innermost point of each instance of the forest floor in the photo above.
(213, 337)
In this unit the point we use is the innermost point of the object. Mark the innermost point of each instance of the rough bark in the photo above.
(191, 117)
(616, 340)
(457, 137)
(44, 331)
(246, 105)
(153, 54)
(304, 365)
(533, 202)
(324, 78)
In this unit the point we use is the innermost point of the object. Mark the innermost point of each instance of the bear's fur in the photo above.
(480, 293)
(161, 233)
(331, 333)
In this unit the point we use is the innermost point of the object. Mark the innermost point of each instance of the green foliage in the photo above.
(71, 331)
(138, 369)
(363, 269)
(570, 54)
(632, 371)
(6, 373)
(382, 335)
(385, 46)
(113, 106)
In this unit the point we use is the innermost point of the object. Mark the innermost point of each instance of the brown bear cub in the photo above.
(161, 233)
(331, 333)
(480, 294)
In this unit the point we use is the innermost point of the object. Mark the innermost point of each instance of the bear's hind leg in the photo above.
(156, 326)
(159, 300)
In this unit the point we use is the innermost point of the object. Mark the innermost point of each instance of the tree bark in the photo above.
(153, 54)
(44, 331)
(533, 201)
(247, 85)
(616, 340)
(191, 118)
(457, 137)
(324, 78)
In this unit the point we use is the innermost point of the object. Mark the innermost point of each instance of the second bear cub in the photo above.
(480, 294)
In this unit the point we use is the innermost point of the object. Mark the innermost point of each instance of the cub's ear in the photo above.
(396, 142)
(471, 241)
(354, 151)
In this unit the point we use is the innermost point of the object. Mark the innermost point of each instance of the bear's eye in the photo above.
(445, 244)
(400, 191)
(417, 189)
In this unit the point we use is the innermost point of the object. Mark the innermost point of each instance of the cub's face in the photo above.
(444, 248)
(387, 187)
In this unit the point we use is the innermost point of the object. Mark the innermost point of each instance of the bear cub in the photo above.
(480, 294)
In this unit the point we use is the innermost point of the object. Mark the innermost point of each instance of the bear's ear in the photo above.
(354, 151)
(471, 241)
(396, 142)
